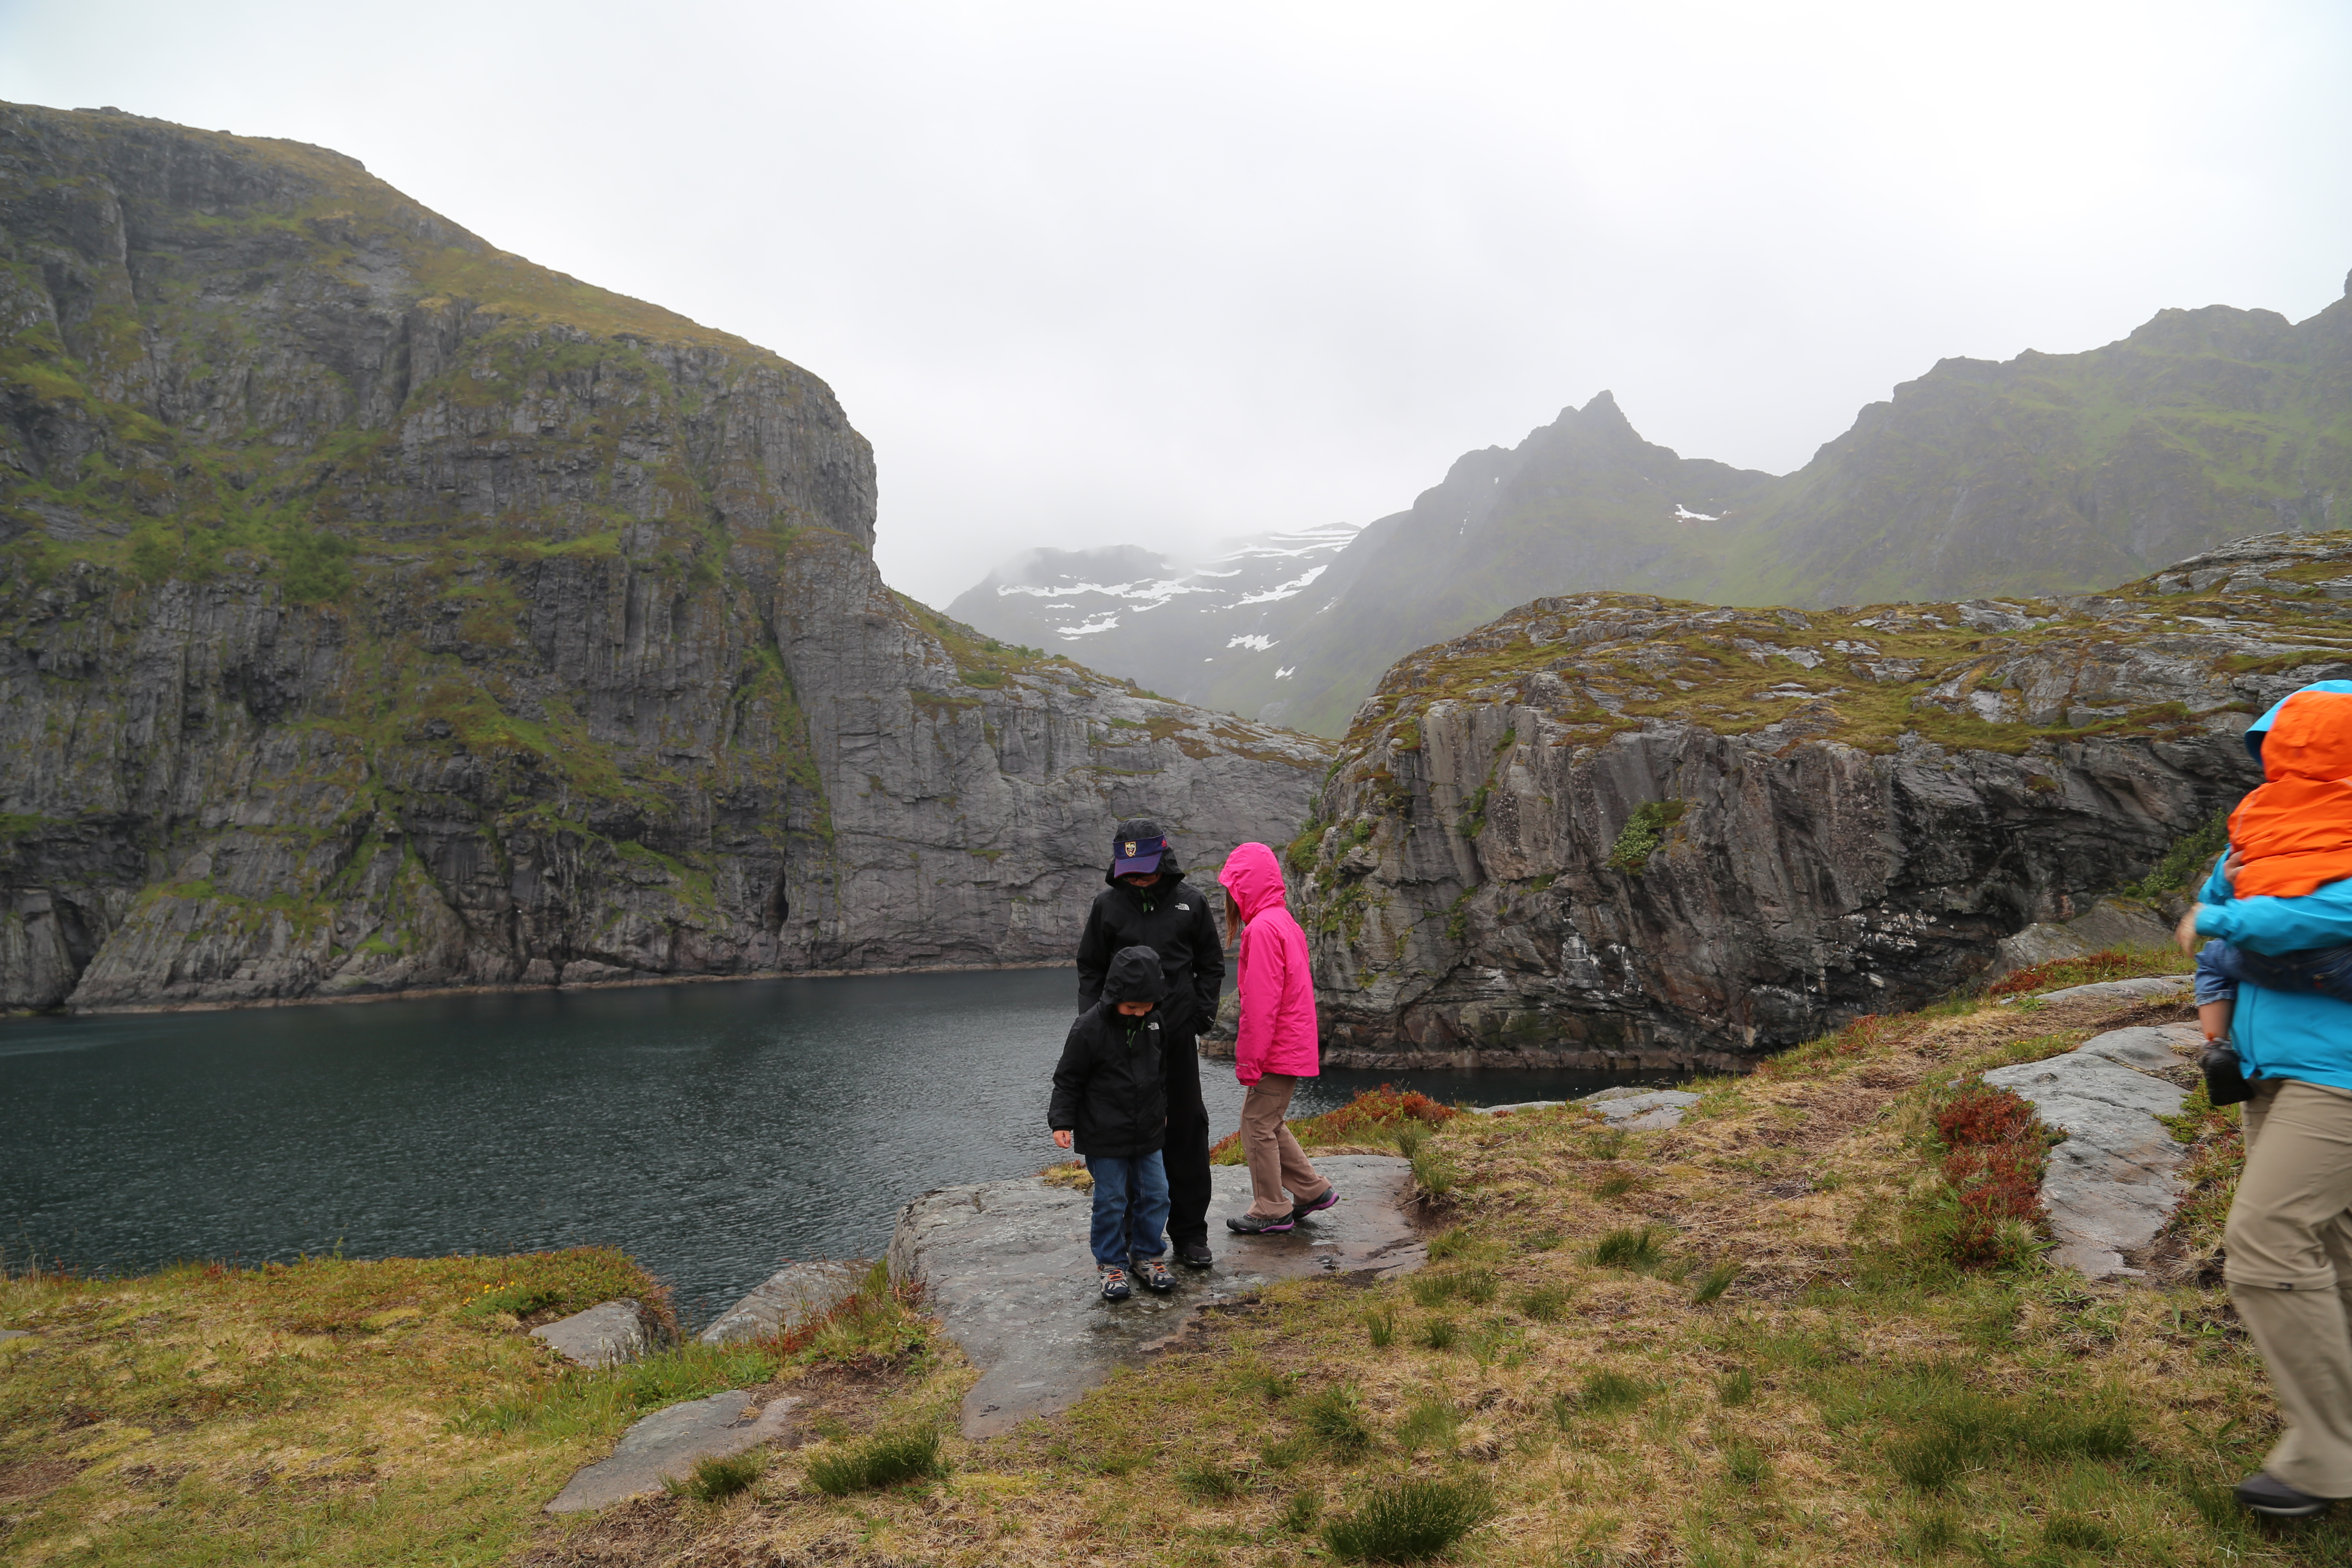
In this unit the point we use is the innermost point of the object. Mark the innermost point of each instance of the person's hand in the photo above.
(2185, 933)
(1061, 1137)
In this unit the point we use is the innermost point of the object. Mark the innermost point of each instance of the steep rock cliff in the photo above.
(1621, 830)
(379, 610)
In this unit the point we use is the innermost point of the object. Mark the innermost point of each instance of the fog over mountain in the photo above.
(1101, 274)
(2043, 474)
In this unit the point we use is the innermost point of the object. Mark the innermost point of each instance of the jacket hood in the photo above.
(1254, 876)
(2310, 736)
(2259, 731)
(1138, 829)
(1134, 976)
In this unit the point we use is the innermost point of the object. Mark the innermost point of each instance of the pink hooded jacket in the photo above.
(1277, 1031)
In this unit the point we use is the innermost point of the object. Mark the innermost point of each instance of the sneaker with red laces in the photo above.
(1154, 1274)
(1115, 1284)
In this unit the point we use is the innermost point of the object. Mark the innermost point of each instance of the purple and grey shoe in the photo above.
(1258, 1225)
(1330, 1198)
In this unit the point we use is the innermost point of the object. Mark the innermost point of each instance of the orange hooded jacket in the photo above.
(2295, 832)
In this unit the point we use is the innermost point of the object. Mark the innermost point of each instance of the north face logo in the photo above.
(1186, 908)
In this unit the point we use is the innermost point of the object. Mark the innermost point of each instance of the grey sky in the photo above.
(1092, 273)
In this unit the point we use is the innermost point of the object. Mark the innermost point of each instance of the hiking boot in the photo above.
(1154, 1274)
(1196, 1255)
(2266, 1494)
(1330, 1197)
(1258, 1225)
(1115, 1284)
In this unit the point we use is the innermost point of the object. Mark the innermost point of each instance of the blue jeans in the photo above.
(1130, 1207)
(2325, 970)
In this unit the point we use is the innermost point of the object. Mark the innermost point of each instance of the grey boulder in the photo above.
(2114, 1182)
(2110, 923)
(668, 1443)
(607, 1334)
(795, 1294)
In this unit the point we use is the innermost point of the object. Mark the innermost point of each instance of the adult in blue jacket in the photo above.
(2289, 1236)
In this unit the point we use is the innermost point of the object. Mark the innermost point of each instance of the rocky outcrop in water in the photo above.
(1613, 830)
(379, 610)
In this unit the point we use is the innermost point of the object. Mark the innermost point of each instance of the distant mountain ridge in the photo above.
(1173, 626)
(2043, 474)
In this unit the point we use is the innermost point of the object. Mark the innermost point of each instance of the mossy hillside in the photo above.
(2238, 409)
(1605, 664)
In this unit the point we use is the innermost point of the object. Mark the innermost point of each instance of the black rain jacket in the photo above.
(1173, 919)
(1109, 1089)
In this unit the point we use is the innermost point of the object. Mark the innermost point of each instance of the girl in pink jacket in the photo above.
(1276, 1045)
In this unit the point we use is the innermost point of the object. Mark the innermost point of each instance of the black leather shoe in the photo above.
(2266, 1494)
(1196, 1255)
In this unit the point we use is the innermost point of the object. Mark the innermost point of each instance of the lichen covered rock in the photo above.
(1621, 831)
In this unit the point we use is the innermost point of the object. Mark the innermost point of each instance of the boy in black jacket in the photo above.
(1110, 1102)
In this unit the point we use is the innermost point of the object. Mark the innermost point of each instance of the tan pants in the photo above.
(1276, 1159)
(2290, 1273)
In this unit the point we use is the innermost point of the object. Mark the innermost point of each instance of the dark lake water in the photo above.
(712, 1131)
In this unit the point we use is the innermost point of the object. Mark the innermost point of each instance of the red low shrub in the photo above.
(2112, 964)
(1981, 1115)
(1997, 1154)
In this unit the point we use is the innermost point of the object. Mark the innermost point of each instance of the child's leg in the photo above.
(1263, 1104)
(1147, 1213)
(2213, 1018)
(1305, 1183)
(1113, 1177)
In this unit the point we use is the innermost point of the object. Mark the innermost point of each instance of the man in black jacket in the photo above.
(1147, 902)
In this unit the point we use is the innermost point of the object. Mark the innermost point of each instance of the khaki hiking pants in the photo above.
(1276, 1159)
(2290, 1273)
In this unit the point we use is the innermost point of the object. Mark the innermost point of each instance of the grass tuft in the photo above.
(1209, 1480)
(1635, 1248)
(886, 1460)
(1745, 1462)
(1543, 1303)
(1431, 1423)
(1410, 1521)
(1608, 1393)
(1335, 1418)
(717, 1478)
(1714, 1281)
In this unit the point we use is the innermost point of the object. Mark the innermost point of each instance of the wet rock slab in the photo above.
(670, 1443)
(2114, 1182)
(2150, 988)
(795, 1294)
(1635, 1110)
(607, 1334)
(1007, 1267)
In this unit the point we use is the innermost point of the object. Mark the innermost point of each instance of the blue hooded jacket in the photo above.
(2285, 1033)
